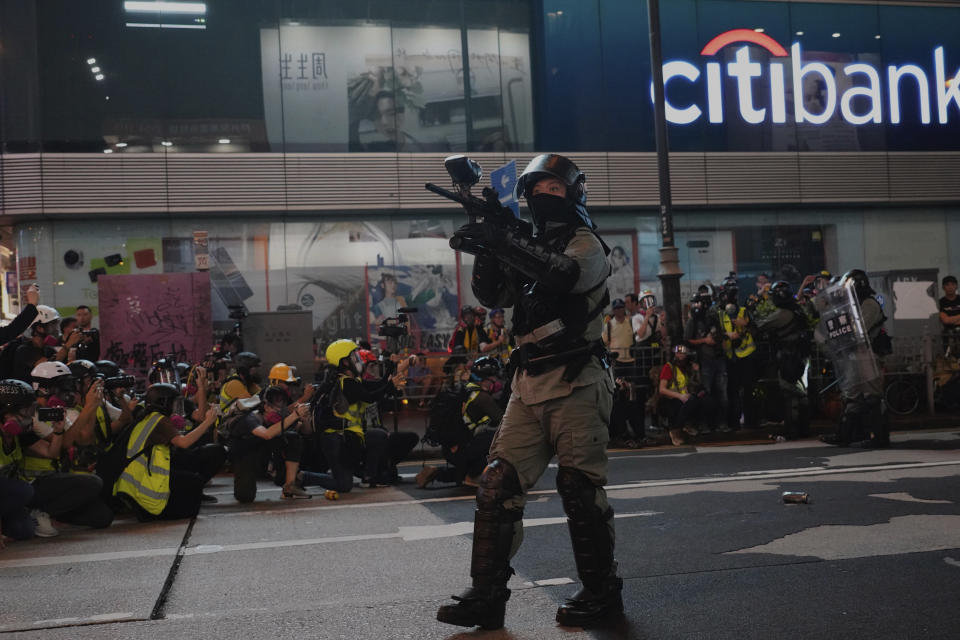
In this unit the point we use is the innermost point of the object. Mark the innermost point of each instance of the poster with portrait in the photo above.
(430, 289)
(624, 277)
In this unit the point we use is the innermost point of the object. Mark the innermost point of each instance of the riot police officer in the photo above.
(788, 329)
(562, 393)
(863, 422)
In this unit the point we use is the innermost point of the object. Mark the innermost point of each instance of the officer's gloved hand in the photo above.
(477, 238)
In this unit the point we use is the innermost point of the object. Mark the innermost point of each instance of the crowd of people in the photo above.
(707, 381)
(80, 445)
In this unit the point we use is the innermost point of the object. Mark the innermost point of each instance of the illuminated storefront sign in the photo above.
(857, 89)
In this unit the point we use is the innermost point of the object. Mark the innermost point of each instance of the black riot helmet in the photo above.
(782, 294)
(546, 208)
(246, 363)
(82, 369)
(861, 283)
(485, 367)
(164, 398)
(108, 368)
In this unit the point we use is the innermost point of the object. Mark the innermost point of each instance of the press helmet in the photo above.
(108, 368)
(281, 372)
(82, 368)
(52, 375)
(551, 165)
(340, 349)
(485, 367)
(48, 318)
(163, 397)
(15, 395)
(647, 299)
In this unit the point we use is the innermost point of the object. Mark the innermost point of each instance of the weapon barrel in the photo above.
(446, 193)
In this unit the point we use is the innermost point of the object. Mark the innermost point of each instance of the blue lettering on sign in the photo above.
(503, 180)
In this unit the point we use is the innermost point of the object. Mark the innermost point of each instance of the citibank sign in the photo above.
(868, 101)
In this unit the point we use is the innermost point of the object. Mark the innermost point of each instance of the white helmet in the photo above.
(46, 373)
(45, 314)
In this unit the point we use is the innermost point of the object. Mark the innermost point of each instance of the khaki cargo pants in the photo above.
(573, 427)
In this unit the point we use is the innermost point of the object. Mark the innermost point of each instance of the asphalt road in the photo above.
(706, 548)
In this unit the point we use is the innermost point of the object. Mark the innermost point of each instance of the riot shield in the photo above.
(843, 336)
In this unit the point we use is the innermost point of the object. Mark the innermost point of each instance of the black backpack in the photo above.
(446, 428)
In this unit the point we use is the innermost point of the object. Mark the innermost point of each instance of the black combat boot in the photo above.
(484, 604)
(598, 602)
(596, 605)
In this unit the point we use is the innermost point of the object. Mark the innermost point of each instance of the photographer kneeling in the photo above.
(162, 483)
(251, 437)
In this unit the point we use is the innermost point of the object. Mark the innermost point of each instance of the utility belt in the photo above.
(535, 360)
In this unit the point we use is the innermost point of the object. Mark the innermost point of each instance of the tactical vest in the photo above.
(747, 345)
(562, 318)
(146, 478)
(11, 464)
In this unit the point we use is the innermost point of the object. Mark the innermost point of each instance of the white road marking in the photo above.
(900, 535)
(552, 582)
(952, 562)
(406, 534)
(906, 497)
(764, 475)
(103, 617)
(43, 561)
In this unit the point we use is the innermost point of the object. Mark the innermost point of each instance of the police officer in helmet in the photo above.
(555, 279)
(863, 422)
(788, 330)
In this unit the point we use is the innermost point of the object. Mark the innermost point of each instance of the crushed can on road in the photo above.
(795, 497)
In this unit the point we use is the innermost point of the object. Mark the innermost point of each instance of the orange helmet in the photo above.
(282, 372)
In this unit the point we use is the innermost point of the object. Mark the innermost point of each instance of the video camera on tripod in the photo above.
(398, 326)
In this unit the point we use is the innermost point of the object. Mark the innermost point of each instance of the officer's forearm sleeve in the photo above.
(555, 271)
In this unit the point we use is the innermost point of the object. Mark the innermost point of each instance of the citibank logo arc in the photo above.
(868, 99)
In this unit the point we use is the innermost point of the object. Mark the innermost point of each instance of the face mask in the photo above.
(12, 428)
(56, 401)
(178, 421)
(548, 208)
(496, 387)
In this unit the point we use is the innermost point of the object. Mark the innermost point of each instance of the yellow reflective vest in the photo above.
(473, 390)
(35, 466)
(355, 416)
(747, 345)
(678, 382)
(146, 478)
(11, 464)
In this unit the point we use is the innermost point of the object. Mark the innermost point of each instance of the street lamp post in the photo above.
(670, 272)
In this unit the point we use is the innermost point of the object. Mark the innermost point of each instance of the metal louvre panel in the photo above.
(35, 184)
(204, 181)
(924, 176)
(633, 179)
(843, 177)
(22, 187)
(413, 170)
(688, 181)
(342, 181)
(741, 178)
(100, 182)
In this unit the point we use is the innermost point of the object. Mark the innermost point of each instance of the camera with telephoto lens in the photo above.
(51, 414)
(119, 382)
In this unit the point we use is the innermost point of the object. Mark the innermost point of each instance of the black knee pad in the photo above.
(578, 493)
(498, 482)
